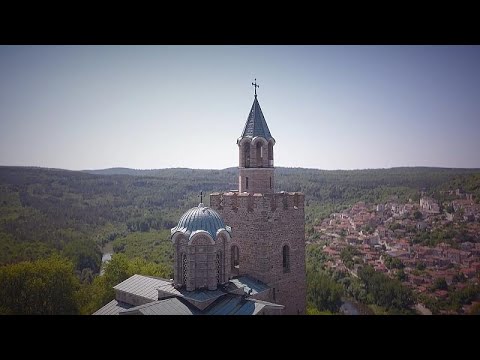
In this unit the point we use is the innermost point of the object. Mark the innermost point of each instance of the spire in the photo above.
(256, 124)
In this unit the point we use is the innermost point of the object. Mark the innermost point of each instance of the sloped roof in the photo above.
(114, 307)
(172, 306)
(198, 295)
(231, 304)
(250, 284)
(142, 286)
(226, 302)
(256, 124)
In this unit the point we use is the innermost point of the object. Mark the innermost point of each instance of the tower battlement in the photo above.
(282, 201)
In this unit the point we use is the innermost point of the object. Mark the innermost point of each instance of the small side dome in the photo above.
(200, 217)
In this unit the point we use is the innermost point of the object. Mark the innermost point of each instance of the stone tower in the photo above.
(256, 172)
(267, 228)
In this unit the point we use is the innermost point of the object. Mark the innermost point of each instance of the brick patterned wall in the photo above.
(261, 225)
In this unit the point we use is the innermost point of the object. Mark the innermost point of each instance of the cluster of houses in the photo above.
(391, 229)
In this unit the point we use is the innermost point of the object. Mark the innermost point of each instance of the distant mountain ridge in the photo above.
(155, 172)
(281, 170)
(231, 172)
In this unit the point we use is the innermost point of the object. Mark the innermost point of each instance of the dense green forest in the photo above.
(59, 220)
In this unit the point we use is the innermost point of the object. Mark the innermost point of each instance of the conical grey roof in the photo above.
(256, 124)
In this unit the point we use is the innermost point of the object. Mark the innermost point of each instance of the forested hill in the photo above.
(37, 200)
(318, 185)
(45, 209)
(391, 174)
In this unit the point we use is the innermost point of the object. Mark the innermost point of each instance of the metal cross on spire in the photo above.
(255, 85)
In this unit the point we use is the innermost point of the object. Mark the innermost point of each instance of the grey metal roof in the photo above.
(197, 295)
(112, 308)
(249, 283)
(178, 304)
(256, 124)
(200, 217)
(227, 305)
(172, 306)
(143, 286)
(235, 305)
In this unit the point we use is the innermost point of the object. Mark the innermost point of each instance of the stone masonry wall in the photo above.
(207, 263)
(260, 180)
(255, 159)
(261, 225)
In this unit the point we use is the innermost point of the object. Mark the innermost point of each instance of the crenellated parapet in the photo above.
(282, 201)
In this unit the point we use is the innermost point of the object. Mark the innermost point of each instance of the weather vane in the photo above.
(255, 85)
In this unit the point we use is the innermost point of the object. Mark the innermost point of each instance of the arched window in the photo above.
(235, 258)
(259, 154)
(246, 152)
(270, 154)
(184, 269)
(219, 268)
(286, 259)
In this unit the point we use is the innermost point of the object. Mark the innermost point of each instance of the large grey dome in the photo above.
(200, 218)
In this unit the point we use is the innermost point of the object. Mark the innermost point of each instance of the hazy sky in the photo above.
(328, 107)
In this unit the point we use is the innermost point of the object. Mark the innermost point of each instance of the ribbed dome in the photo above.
(200, 218)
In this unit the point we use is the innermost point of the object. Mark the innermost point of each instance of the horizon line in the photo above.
(233, 167)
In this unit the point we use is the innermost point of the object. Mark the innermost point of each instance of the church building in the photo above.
(243, 255)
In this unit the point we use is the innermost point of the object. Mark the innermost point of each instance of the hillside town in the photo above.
(430, 246)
